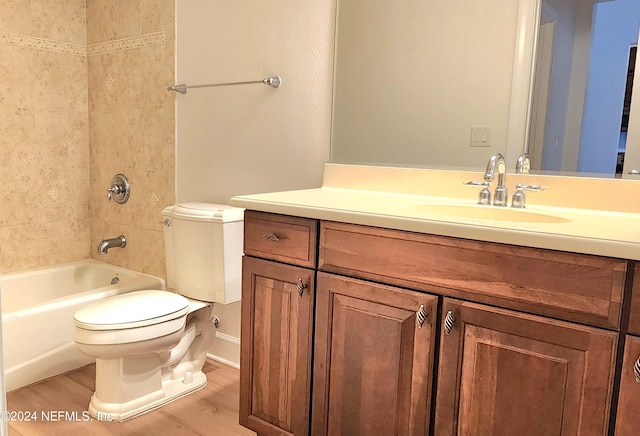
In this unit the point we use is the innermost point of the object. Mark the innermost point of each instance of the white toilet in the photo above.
(150, 346)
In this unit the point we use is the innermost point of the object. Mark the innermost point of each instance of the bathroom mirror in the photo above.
(448, 83)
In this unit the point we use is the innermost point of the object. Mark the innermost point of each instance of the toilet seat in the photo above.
(132, 310)
(131, 317)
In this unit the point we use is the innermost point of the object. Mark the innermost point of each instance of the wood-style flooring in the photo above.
(210, 411)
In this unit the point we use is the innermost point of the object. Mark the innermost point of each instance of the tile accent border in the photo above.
(42, 44)
(127, 43)
(145, 40)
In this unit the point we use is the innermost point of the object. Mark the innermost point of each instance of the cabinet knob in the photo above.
(449, 320)
(300, 286)
(636, 370)
(271, 237)
(421, 316)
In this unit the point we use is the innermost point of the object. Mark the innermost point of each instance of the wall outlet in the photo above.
(481, 136)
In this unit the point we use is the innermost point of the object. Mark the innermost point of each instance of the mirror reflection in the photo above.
(584, 65)
(434, 83)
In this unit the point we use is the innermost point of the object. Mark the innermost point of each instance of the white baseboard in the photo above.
(227, 338)
(226, 350)
(223, 361)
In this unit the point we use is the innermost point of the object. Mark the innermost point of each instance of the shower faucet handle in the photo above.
(119, 190)
(115, 189)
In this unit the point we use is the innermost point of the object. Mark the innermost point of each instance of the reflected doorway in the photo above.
(541, 85)
(584, 65)
(626, 110)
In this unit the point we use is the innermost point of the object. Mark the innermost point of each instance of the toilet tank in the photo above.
(203, 246)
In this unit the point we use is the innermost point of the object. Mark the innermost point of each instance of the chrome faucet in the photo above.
(519, 199)
(523, 164)
(500, 195)
(106, 244)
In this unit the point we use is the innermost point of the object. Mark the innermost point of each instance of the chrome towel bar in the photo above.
(273, 81)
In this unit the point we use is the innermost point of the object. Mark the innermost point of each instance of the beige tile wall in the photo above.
(132, 125)
(44, 155)
(74, 115)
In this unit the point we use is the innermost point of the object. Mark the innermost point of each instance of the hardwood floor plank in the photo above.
(212, 410)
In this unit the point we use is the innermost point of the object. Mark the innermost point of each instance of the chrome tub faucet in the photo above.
(106, 244)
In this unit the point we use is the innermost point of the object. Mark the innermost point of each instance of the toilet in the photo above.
(150, 346)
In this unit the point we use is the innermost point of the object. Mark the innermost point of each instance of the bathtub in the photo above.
(37, 314)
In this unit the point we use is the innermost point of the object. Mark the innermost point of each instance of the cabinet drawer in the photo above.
(634, 317)
(576, 287)
(280, 237)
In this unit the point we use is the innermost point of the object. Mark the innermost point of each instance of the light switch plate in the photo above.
(481, 137)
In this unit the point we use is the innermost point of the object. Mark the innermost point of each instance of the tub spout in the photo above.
(119, 242)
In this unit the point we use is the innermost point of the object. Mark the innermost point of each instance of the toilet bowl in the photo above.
(150, 346)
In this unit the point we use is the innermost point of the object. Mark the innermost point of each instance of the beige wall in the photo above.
(132, 125)
(44, 154)
(83, 97)
(252, 138)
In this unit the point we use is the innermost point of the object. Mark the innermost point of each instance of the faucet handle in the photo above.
(533, 188)
(484, 197)
(119, 189)
(115, 189)
(519, 199)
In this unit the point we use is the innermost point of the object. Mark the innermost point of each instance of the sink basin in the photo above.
(491, 213)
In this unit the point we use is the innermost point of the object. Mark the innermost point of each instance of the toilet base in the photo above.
(171, 391)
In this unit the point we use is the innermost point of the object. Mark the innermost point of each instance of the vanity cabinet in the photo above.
(277, 325)
(374, 354)
(513, 340)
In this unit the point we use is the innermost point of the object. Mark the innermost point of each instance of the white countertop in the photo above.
(591, 231)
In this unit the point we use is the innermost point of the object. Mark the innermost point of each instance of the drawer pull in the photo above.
(636, 370)
(449, 320)
(300, 286)
(421, 316)
(271, 237)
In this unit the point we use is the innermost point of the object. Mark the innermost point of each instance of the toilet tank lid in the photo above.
(204, 212)
(131, 310)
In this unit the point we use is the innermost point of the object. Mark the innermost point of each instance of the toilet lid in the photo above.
(133, 309)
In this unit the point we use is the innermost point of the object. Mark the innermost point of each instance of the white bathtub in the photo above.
(37, 314)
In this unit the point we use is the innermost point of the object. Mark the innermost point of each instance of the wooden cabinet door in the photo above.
(629, 399)
(275, 359)
(373, 359)
(509, 373)
(634, 313)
